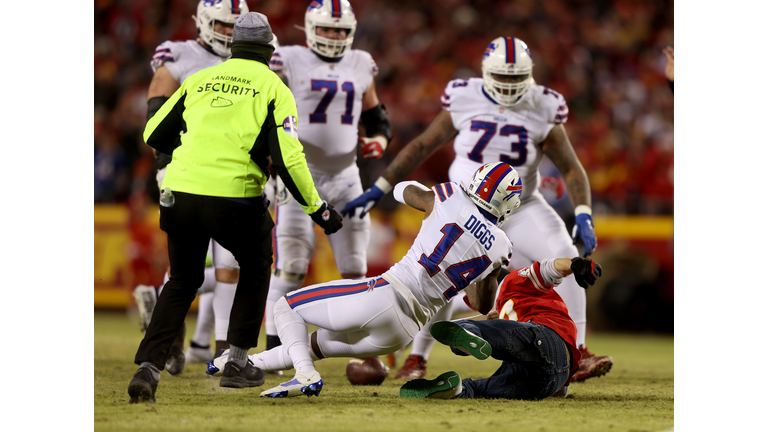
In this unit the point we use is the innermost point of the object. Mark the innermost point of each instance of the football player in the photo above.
(335, 93)
(505, 116)
(460, 242)
(172, 63)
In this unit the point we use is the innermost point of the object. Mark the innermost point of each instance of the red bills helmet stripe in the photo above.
(336, 9)
(491, 181)
(236, 7)
(510, 42)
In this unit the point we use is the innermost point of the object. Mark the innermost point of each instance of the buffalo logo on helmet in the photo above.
(490, 49)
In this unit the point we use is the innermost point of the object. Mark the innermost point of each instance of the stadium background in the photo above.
(603, 56)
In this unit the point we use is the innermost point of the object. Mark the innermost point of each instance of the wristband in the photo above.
(400, 188)
(383, 185)
(582, 209)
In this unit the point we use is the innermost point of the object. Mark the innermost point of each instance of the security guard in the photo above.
(232, 118)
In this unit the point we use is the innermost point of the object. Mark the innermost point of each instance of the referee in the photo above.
(221, 127)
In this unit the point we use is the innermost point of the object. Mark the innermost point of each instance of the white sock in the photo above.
(223, 297)
(294, 336)
(209, 281)
(204, 326)
(275, 359)
(278, 287)
(423, 342)
(575, 299)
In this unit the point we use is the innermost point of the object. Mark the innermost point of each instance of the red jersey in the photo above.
(525, 296)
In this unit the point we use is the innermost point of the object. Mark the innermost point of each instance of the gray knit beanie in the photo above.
(252, 27)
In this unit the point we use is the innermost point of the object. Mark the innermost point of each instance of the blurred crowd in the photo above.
(604, 56)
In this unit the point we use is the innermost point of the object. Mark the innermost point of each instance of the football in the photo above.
(366, 371)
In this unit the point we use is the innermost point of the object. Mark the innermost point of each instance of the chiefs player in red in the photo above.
(535, 338)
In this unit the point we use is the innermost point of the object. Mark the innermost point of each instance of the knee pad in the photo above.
(295, 267)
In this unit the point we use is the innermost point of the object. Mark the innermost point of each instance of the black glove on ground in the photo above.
(585, 271)
(328, 218)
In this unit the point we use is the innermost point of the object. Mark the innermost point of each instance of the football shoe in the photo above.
(415, 367)
(591, 365)
(445, 386)
(451, 334)
(301, 384)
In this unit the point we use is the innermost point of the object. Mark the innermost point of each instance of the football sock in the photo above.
(293, 333)
(223, 297)
(238, 355)
(575, 299)
(423, 342)
(278, 287)
(272, 360)
(204, 326)
(209, 281)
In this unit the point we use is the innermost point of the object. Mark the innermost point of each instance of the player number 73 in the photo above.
(489, 129)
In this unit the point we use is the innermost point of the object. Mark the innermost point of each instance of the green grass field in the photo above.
(637, 395)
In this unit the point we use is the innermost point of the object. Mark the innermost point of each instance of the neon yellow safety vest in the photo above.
(232, 117)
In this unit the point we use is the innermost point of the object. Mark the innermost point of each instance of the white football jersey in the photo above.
(329, 99)
(489, 132)
(183, 58)
(455, 246)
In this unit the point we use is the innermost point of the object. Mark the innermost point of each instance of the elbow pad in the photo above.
(154, 104)
(375, 121)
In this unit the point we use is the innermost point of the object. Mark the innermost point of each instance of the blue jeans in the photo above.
(534, 360)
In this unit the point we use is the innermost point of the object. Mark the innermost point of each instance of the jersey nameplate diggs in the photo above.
(226, 88)
(480, 231)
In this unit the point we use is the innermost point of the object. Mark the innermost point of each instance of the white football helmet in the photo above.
(225, 11)
(329, 13)
(496, 188)
(507, 56)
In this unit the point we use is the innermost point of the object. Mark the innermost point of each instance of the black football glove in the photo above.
(585, 271)
(328, 218)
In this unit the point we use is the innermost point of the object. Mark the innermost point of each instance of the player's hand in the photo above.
(367, 200)
(585, 271)
(554, 184)
(328, 218)
(585, 229)
(372, 148)
(492, 315)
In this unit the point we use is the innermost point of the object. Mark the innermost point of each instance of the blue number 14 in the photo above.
(461, 274)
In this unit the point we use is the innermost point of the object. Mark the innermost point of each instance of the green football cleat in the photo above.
(445, 386)
(451, 334)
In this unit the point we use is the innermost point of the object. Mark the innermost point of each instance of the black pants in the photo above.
(246, 231)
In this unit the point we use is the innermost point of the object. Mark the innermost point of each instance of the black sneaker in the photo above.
(142, 387)
(176, 359)
(236, 377)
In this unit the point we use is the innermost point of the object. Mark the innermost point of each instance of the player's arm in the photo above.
(162, 130)
(559, 150)
(440, 132)
(375, 124)
(289, 162)
(585, 271)
(161, 88)
(416, 195)
(480, 295)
